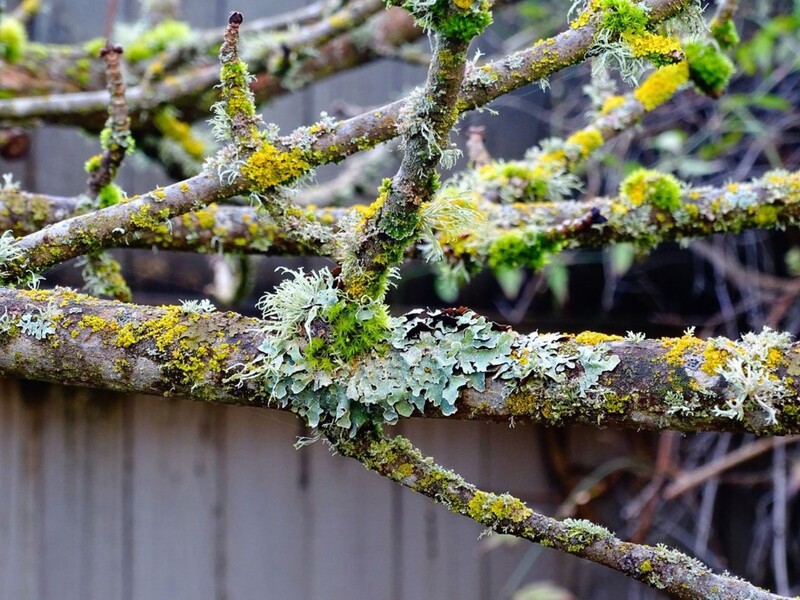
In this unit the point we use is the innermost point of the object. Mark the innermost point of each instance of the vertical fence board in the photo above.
(266, 541)
(439, 553)
(20, 491)
(174, 500)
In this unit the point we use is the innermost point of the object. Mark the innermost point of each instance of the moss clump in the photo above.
(465, 25)
(109, 195)
(523, 249)
(661, 85)
(268, 167)
(725, 33)
(349, 330)
(622, 16)
(13, 39)
(658, 189)
(709, 69)
(167, 34)
(462, 21)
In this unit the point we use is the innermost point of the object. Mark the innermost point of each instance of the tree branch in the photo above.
(441, 363)
(659, 567)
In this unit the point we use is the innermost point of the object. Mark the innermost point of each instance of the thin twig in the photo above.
(688, 481)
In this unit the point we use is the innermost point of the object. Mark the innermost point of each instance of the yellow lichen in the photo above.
(678, 348)
(651, 45)
(661, 85)
(591, 338)
(612, 103)
(713, 359)
(269, 167)
(588, 140)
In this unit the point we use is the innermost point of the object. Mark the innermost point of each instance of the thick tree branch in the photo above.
(683, 384)
(771, 201)
(660, 567)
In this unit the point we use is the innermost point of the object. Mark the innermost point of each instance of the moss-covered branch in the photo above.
(450, 363)
(660, 567)
(772, 201)
(393, 222)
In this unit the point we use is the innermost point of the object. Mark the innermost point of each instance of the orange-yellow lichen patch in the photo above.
(591, 338)
(588, 140)
(713, 359)
(653, 46)
(612, 103)
(661, 85)
(678, 348)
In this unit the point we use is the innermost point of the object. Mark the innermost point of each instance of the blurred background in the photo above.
(108, 496)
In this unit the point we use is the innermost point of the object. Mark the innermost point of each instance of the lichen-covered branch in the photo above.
(660, 567)
(430, 115)
(509, 236)
(440, 363)
(112, 226)
(116, 139)
(72, 94)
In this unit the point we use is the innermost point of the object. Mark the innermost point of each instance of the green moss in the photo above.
(109, 195)
(725, 33)
(167, 34)
(465, 25)
(623, 16)
(93, 46)
(709, 69)
(13, 39)
(524, 248)
(646, 186)
(350, 330)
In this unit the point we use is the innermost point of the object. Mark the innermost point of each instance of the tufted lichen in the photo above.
(413, 363)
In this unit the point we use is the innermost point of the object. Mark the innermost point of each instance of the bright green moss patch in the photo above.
(524, 248)
(725, 33)
(709, 69)
(349, 329)
(659, 189)
(109, 195)
(465, 24)
(167, 34)
(623, 16)
(13, 39)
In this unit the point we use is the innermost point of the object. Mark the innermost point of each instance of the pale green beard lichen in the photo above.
(388, 367)
(750, 372)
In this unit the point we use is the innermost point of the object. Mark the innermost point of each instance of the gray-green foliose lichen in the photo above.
(423, 360)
